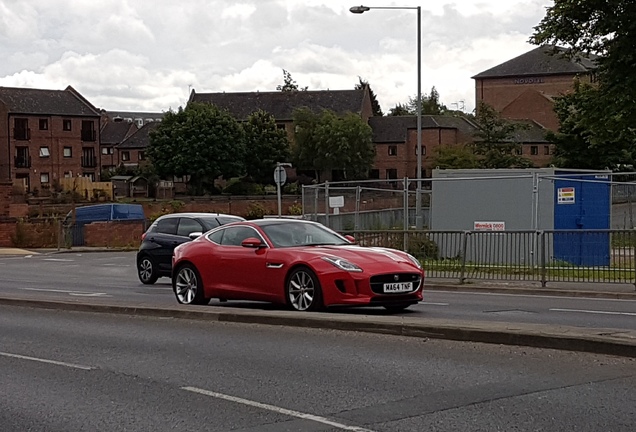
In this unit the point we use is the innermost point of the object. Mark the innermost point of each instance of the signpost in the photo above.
(280, 177)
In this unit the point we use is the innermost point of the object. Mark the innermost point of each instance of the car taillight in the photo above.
(143, 236)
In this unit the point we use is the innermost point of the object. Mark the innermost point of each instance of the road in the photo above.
(111, 277)
(71, 371)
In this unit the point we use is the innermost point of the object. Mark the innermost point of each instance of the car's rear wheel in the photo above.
(397, 307)
(146, 270)
(303, 290)
(188, 287)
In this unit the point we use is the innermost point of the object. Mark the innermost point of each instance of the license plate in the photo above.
(398, 287)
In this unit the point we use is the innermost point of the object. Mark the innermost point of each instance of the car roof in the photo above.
(278, 221)
(199, 215)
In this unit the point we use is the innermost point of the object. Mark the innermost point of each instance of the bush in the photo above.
(244, 188)
(256, 211)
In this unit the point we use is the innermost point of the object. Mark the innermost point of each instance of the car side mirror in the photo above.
(194, 235)
(252, 242)
(350, 238)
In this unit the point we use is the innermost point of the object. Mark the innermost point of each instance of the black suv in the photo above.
(154, 258)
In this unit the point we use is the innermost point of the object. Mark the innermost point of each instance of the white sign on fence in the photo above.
(489, 226)
(336, 201)
(566, 195)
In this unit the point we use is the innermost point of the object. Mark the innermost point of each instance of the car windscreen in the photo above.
(302, 234)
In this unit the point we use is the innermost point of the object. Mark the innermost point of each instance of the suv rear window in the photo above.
(167, 226)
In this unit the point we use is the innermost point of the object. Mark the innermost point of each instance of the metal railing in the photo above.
(607, 256)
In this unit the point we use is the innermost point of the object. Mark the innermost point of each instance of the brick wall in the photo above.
(7, 232)
(113, 234)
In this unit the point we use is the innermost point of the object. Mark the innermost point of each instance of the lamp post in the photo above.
(418, 192)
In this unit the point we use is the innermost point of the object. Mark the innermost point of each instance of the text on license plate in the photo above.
(398, 287)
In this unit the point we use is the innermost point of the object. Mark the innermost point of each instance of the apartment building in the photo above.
(46, 135)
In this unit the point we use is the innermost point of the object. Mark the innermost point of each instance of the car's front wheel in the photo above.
(303, 290)
(188, 287)
(146, 270)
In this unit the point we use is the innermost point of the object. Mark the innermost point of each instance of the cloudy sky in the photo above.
(146, 55)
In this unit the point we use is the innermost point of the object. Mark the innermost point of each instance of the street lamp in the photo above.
(418, 193)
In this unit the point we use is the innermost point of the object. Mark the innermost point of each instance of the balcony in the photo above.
(22, 134)
(22, 161)
(89, 161)
(89, 135)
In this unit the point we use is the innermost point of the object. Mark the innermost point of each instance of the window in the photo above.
(534, 150)
(234, 236)
(168, 226)
(280, 126)
(423, 150)
(546, 150)
(374, 174)
(391, 173)
(68, 152)
(518, 151)
(44, 152)
(44, 178)
(21, 129)
(88, 130)
(66, 125)
(216, 236)
(392, 150)
(141, 156)
(107, 150)
(89, 175)
(44, 124)
(125, 156)
(188, 226)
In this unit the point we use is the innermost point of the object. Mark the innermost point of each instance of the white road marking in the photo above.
(594, 312)
(73, 293)
(58, 259)
(531, 296)
(434, 304)
(276, 409)
(57, 363)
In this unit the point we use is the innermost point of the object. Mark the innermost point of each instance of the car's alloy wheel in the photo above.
(303, 290)
(188, 287)
(146, 271)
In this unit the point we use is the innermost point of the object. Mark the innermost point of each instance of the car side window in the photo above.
(234, 236)
(188, 226)
(216, 236)
(168, 226)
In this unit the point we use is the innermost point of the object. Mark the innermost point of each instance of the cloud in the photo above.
(128, 54)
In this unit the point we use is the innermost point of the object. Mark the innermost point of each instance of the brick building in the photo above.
(395, 139)
(46, 135)
(113, 134)
(524, 87)
(131, 152)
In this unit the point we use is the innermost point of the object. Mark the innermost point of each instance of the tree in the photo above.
(289, 84)
(266, 144)
(326, 141)
(375, 105)
(494, 140)
(597, 120)
(430, 105)
(200, 141)
(454, 157)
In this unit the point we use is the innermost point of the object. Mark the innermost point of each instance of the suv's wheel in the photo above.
(146, 270)
(188, 287)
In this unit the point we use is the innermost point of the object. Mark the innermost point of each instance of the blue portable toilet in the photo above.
(582, 204)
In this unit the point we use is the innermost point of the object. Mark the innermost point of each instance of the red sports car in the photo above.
(299, 263)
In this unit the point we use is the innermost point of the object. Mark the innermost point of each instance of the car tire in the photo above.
(302, 290)
(188, 286)
(146, 270)
(397, 307)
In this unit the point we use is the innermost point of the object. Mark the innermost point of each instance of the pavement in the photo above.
(618, 342)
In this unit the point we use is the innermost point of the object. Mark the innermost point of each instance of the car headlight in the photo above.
(415, 261)
(342, 264)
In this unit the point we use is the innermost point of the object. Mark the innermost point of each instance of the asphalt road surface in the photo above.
(70, 371)
(111, 277)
